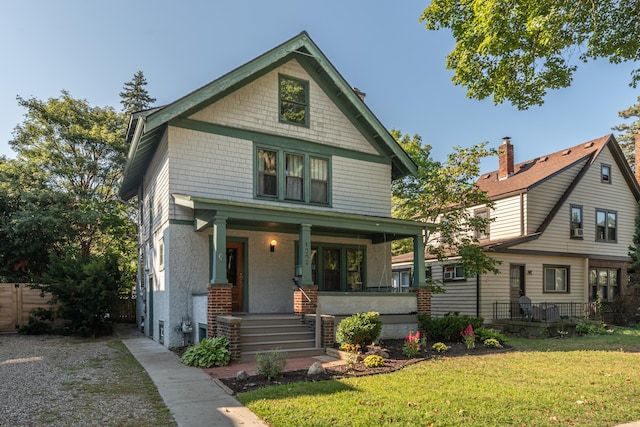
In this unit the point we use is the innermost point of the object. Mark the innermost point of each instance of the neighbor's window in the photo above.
(576, 222)
(482, 232)
(294, 170)
(294, 101)
(605, 173)
(267, 173)
(453, 272)
(556, 278)
(401, 280)
(606, 225)
(302, 179)
(605, 283)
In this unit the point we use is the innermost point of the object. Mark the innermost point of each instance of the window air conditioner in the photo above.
(576, 232)
(448, 275)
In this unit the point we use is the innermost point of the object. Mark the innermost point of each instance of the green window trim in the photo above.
(291, 176)
(338, 264)
(293, 101)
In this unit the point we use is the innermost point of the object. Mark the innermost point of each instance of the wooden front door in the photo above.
(516, 287)
(235, 274)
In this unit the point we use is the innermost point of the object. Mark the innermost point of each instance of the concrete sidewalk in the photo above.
(193, 398)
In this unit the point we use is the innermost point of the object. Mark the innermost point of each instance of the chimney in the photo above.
(636, 166)
(505, 162)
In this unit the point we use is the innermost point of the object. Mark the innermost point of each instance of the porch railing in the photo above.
(543, 311)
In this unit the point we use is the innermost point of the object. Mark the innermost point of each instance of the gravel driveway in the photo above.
(67, 381)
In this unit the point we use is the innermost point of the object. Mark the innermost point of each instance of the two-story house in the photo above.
(561, 226)
(276, 170)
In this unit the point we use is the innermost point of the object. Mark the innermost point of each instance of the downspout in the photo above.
(522, 228)
(478, 295)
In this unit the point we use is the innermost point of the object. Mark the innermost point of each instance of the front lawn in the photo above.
(586, 381)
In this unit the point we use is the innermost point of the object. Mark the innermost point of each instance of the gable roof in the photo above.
(146, 128)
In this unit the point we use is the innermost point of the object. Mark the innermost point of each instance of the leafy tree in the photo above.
(516, 51)
(443, 193)
(80, 151)
(134, 96)
(628, 132)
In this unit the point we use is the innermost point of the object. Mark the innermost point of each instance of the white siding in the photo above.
(592, 194)
(255, 107)
(495, 288)
(459, 295)
(508, 215)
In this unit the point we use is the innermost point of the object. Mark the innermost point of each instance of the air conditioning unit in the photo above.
(448, 275)
(576, 232)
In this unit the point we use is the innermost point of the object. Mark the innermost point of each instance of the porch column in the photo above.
(419, 278)
(304, 255)
(219, 253)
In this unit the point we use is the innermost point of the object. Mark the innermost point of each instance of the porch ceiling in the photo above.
(286, 219)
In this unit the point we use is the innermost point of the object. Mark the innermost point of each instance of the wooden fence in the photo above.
(16, 302)
(125, 310)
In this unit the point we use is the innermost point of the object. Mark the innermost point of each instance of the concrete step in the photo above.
(283, 328)
(270, 335)
(283, 345)
(270, 319)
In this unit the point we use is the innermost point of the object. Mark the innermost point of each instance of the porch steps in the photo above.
(264, 333)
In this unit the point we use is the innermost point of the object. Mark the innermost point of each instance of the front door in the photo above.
(235, 274)
(516, 287)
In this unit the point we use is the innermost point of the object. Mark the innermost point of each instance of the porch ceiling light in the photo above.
(272, 245)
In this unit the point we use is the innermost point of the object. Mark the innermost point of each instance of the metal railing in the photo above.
(543, 311)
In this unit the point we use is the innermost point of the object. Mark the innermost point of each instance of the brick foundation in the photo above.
(229, 326)
(423, 294)
(301, 305)
(218, 303)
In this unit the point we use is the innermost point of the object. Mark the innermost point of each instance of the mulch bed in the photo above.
(396, 360)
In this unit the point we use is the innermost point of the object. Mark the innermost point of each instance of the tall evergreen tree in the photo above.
(134, 96)
(628, 132)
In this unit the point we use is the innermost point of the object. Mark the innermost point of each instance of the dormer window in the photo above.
(605, 173)
(294, 101)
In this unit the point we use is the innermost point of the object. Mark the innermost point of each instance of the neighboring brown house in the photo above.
(561, 226)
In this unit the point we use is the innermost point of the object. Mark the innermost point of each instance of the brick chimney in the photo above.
(636, 166)
(505, 162)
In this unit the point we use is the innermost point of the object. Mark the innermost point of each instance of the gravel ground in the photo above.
(67, 381)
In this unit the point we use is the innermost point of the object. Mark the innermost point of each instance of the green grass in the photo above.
(586, 381)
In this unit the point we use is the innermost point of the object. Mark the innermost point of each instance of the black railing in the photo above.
(543, 311)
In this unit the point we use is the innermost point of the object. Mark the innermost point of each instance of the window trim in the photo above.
(603, 175)
(572, 234)
(606, 228)
(319, 247)
(305, 85)
(546, 267)
(485, 235)
(457, 270)
(612, 289)
(281, 175)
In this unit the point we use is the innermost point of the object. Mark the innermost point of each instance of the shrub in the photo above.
(469, 337)
(40, 322)
(207, 353)
(412, 344)
(271, 364)
(373, 361)
(360, 329)
(485, 334)
(492, 343)
(588, 327)
(439, 347)
(449, 327)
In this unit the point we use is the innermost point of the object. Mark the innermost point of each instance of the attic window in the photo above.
(566, 152)
(605, 173)
(294, 101)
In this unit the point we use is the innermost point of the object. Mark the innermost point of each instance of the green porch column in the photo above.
(304, 255)
(419, 278)
(219, 253)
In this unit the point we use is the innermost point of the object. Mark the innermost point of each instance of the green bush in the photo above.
(373, 361)
(439, 347)
(485, 334)
(449, 327)
(271, 364)
(589, 327)
(360, 329)
(207, 353)
(40, 322)
(492, 343)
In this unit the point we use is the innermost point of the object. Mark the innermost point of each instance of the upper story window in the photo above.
(576, 226)
(556, 278)
(482, 231)
(605, 173)
(294, 101)
(606, 225)
(453, 272)
(297, 177)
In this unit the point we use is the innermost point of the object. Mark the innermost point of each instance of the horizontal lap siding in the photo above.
(507, 213)
(459, 295)
(591, 194)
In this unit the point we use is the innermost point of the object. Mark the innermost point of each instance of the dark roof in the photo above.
(146, 129)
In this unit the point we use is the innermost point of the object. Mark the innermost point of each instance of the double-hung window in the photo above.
(606, 225)
(294, 101)
(605, 173)
(576, 222)
(556, 278)
(289, 176)
(482, 230)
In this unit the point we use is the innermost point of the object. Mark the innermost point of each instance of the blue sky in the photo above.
(91, 48)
